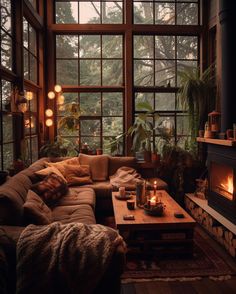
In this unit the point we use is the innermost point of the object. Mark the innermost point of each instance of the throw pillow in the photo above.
(77, 175)
(36, 211)
(98, 165)
(48, 170)
(51, 189)
(60, 164)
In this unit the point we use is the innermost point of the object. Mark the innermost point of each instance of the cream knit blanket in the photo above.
(59, 258)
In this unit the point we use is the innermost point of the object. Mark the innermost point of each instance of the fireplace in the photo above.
(221, 162)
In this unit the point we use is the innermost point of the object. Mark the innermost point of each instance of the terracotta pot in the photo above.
(156, 157)
(147, 156)
(99, 151)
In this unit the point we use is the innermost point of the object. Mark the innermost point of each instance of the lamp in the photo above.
(57, 93)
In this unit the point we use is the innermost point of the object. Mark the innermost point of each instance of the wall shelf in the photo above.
(230, 143)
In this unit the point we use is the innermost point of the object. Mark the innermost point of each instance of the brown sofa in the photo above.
(77, 206)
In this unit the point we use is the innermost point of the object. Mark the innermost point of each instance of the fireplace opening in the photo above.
(221, 180)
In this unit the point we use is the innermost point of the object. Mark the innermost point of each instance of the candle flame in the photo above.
(153, 199)
(228, 185)
(155, 182)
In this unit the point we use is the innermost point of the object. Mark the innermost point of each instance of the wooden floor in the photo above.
(203, 286)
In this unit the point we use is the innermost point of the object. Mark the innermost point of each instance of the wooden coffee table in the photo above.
(164, 234)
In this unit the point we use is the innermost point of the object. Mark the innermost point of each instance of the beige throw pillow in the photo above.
(98, 165)
(35, 210)
(60, 164)
(48, 170)
(77, 175)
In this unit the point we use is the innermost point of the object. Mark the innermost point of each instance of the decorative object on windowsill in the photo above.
(229, 134)
(99, 151)
(214, 121)
(85, 148)
(208, 133)
(21, 101)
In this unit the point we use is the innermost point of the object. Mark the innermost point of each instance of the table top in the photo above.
(145, 221)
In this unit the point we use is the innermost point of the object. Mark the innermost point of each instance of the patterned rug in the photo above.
(206, 262)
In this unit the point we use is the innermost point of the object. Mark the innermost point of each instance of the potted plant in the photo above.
(70, 119)
(195, 95)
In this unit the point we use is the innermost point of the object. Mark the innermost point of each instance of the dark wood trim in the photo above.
(7, 74)
(203, 57)
(32, 16)
(92, 89)
(128, 75)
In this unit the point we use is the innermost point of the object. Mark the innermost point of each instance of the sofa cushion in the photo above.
(98, 165)
(116, 162)
(82, 213)
(76, 174)
(78, 195)
(48, 170)
(51, 189)
(101, 189)
(60, 164)
(36, 211)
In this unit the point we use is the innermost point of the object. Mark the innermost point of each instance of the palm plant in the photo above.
(195, 95)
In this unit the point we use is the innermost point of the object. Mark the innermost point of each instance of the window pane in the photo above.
(112, 72)
(90, 127)
(32, 40)
(6, 15)
(67, 72)
(112, 126)
(165, 13)
(112, 12)
(165, 123)
(165, 73)
(112, 104)
(183, 66)
(143, 73)
(90, 104)
(93, 142)
(64, 131)
(26, 64)
(6, 50)
(165, 101)
(143, 47)
(112, 46)
(90, 46)
(33, 69)
(90, 72)
(6, 95)
(182, 125)
(66, 12)
(7, 128)
(25, 33)
(187, 14)
(143, 13)
(187, 47)
(8, 155)
(164, 47)
(67, 46)
(144, 97)
(69, 98)
(89, 12)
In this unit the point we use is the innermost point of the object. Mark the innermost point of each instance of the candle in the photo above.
(152, 202)
(155, 187)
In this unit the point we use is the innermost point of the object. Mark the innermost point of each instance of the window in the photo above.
(31, 131)
(6, 34)
(6, 124)
(93, 12)
(172, 12)
(89, 60)
(30, 52)
(158, 61)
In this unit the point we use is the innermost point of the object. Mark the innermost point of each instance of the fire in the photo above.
(228, 185)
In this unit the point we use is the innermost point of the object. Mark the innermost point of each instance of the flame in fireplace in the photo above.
(228, 185)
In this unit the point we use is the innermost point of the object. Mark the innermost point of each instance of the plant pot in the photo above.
(156, 157)
(99, 151)
(147, 156)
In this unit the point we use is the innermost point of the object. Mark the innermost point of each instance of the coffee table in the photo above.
(164, 234)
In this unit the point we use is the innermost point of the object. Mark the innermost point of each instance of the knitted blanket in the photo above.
(59, 258)
(125, 176)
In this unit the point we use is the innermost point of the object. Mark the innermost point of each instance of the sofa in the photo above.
(81, 204)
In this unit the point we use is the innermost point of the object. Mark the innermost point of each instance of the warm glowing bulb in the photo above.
(29, 95)
(60, 100)
(49, 122)
(49, 112)
(57, 88)
(51, 95)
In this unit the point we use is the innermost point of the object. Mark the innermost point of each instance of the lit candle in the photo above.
(152, 202)
(155, 187)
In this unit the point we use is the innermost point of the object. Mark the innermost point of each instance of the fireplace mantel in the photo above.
(229, 143)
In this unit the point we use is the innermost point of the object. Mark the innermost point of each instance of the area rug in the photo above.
(206, 262)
